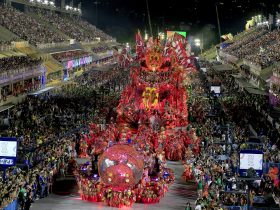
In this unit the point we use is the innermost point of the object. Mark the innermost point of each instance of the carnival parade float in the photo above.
(128, 158)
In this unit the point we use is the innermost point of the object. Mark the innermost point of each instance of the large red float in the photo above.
(152, 116)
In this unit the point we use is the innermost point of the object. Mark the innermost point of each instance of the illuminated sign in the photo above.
(8, 151)
(171, 33)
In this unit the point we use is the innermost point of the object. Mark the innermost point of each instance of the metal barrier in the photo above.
(52, 45)
(21, 74)
(5, 47)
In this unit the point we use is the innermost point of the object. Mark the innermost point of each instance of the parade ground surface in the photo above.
(176, 198)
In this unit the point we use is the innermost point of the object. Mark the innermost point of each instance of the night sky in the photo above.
(121, 18)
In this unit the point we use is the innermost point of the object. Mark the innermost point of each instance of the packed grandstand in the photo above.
(56, 69)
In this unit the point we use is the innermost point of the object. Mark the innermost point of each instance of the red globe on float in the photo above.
(120, 167)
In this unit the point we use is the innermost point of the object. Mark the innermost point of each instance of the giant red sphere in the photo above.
(120, 167)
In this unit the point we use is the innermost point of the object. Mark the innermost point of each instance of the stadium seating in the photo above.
(75, 28)
(26, 27)
(69, 55)
(49, 28)
(17, 62)
(260, 47)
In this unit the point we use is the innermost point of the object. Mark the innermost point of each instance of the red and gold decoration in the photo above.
(150, 97)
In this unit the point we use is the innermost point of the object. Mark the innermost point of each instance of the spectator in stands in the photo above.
(260, 47)
(70, 55)
(218, 176)
(26, 27)
(44, 141)
(73, 27)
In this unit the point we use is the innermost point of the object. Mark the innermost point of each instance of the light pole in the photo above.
(96, 11)
(149, 18)
(218, 20)
(162, 23)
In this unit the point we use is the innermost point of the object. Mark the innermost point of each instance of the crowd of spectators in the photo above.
(254, 45)
(70, 55)
(73, 27)
(48, 130)
(38, 125)
(260, 47)
(245, 40)
(216, 168)
(92, 29)
(100, 49)
(114, 79)
(16, 66)
(270, 52)
(18, 62)
(21, 88)
(28, 185)
(26, 27)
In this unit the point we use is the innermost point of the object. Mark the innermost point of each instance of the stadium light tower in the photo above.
(62, 4)
(218, 19)
(149, 17)
(96, 11)
(259, 18)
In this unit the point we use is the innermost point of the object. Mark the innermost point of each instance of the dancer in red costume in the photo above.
(188, 173)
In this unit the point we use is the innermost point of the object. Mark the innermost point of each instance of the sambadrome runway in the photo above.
(176, 198)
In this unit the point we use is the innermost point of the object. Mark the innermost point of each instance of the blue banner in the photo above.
(12, 206)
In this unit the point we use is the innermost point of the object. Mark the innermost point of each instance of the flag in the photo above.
(140, 46)
(180, 51)
(150, 43)
(167, 50)
(124, 59)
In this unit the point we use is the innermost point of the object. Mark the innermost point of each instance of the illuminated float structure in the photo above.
(129, 163)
